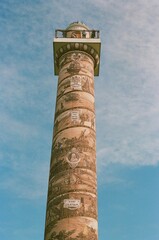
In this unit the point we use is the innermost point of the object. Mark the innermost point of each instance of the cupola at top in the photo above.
(77, 30)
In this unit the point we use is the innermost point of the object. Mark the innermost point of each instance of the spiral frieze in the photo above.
(72, 194)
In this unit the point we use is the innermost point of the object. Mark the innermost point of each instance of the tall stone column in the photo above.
(72, 193)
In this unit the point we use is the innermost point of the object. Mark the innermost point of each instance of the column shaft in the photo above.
(72, 200)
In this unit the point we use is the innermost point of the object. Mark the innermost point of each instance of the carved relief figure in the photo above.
(75, 65)
(70, 138)
(74, 100)
(89, 234)
(70, 118)
(60, 208)
(78, 56)
(73, 158)
(72, 181)
(76, 82)
(59, 163)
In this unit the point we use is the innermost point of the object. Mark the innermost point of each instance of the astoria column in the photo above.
(72, 193)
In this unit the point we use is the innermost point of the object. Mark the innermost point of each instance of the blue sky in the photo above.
(127, 113)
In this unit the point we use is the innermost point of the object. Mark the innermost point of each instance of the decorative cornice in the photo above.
(76, 46)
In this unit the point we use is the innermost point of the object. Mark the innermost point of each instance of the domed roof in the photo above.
(77, 26)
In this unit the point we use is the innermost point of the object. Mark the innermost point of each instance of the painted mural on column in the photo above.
(72, 192)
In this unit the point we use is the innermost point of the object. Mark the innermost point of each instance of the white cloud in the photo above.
(126, 90)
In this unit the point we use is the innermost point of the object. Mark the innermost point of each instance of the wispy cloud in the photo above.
(127, 94)
(126, 90)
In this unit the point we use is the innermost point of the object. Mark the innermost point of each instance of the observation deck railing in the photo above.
(59, 33)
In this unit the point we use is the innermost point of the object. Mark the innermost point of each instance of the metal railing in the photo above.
(59, 33)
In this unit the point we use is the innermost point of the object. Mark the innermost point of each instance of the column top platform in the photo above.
(76, 34)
